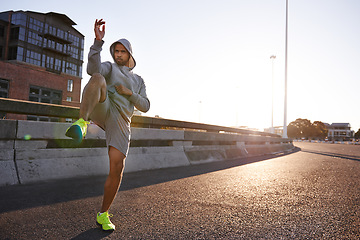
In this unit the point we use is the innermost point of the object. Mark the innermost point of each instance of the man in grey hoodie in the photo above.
(108, 100)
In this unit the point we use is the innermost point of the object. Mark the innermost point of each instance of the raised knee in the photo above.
(97, 78)
(97, 81)
(96, 75)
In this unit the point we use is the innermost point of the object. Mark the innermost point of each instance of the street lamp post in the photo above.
(285, 98)
(272, 57)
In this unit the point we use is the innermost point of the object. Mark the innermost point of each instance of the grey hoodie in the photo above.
(115, 75)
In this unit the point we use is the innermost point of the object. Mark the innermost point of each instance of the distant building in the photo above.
(339, 131)
(41, 57)
(277, 130)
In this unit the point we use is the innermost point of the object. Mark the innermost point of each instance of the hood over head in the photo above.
(127, 45)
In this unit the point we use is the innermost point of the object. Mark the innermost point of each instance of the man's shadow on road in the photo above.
(51, 192)
(93, 234)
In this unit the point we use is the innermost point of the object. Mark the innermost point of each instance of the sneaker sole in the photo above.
(75, 133)
(109, 230)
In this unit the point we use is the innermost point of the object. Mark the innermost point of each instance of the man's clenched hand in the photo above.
(99, 29)
(121, 89)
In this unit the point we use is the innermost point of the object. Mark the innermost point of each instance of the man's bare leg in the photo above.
(94, 92)
(112, 184)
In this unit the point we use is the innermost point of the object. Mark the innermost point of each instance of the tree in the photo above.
(320, 130)
(300, 128)
(303, 128)
(357, 134)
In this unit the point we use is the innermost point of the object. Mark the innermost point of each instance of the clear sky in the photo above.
(209, 61)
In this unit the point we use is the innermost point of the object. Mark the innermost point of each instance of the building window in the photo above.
(44, 95)
(2, 31)
(16, 53)
(35, 38)
(4, 90)
(33, 57)
(14, 33)
(49, 62)
(42, 118)
(12, 53)
(17, 33)
(59, 47)
(20, 53)
(69, 99)
(71, 68)
(22, 34)
(36, 25)
(57, 65)
(18, 19)
(70, 85)
(43, 60)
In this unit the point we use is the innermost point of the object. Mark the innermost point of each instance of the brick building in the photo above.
(41, 57)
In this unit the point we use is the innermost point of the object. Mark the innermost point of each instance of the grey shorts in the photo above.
(117, 130)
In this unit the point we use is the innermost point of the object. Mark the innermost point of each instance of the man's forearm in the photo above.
(94, 59)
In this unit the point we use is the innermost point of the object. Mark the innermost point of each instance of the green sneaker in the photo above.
(77, 130)
(105, 222)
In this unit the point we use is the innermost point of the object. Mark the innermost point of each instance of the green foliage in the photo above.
(357, 134)
(303, 128)
(320, 131)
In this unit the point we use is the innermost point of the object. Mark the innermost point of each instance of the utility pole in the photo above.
(286, 52)
(272, 57)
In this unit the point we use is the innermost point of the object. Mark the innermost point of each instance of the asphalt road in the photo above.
(312, 193)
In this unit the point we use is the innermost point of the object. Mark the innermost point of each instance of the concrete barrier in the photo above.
(8, 171)
(37, 151)
(44, 164)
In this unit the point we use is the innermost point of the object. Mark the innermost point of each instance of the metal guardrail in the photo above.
(52, 110)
